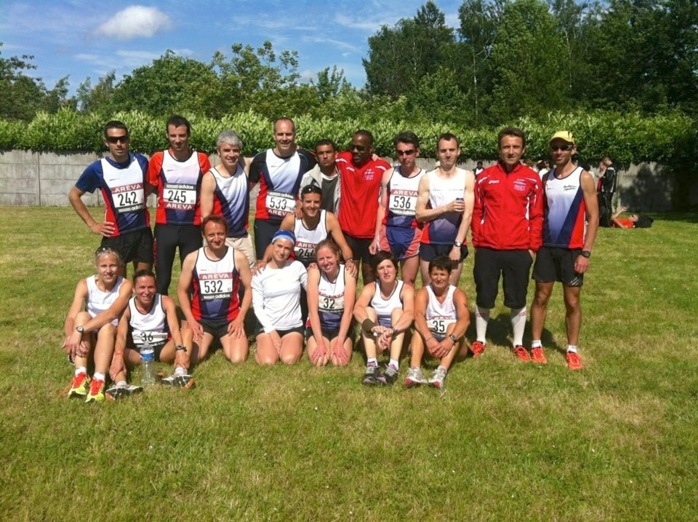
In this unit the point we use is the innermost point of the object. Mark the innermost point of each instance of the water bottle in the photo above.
(147, 360)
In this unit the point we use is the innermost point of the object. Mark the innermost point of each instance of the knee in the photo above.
(290, 358)
(237, 357)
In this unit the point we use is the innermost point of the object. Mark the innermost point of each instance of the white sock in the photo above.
(122, 384)
(443, 368)
(98, 376)
(536, 344)
(179, 371)
(80, 370)
(518, 324)
(482, 316)
(371, 361)
(395, 362)
(571, 348)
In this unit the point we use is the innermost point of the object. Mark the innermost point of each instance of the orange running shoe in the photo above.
(574, 361)
(79, 385)
(477, 348)
(538, 356)
(521, 353)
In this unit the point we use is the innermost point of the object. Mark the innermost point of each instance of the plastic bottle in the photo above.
(148, 362)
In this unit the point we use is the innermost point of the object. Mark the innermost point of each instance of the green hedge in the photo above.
(628, 138)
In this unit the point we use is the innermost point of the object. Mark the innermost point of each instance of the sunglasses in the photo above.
(564, 148)
(405, 152)
(117, 139)
(311, 189)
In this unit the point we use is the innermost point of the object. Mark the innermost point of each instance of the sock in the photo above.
(372, 361)
(394, 362)
(179, 371)
(79, 370)
(571, 348)
(121, 384)
(98, 376)
(536, 344)
(518, 324)
(443, 368)
(482, 316)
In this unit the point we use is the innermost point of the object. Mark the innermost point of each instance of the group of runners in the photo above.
(322, 220)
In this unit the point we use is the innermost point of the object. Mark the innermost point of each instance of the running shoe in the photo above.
(477, 348)
(125, 390)
(389, 376)
(184, 380)
(538, 356)
(371, 375)
(79, 385)
(574, 361)
(96, 391)
(438, 377)
(415, 377)
(521, 353)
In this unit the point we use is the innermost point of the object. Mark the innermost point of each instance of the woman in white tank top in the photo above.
(90, 326)
(331, 296)
(385, 310)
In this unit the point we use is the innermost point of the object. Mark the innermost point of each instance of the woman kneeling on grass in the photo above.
(385, 310)
(149, 320)
(90, 333)
(331, 296)
(276, 291)
(441, 318)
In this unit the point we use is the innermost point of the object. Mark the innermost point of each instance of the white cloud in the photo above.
(135, 21)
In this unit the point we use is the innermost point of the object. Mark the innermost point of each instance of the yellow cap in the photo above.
(564, 136)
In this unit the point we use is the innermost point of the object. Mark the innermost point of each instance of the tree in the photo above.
(97, 98)
(171, 84)
(400, 56)
(529, 62)
(22, 95)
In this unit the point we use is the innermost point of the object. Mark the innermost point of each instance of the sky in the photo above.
(87, 38)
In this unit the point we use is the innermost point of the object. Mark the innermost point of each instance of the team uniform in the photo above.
(384, 307)
(276, 298)
(440, 234)
(178, 217)
(564, 226)
(215, 300)
(331, 188)
(440, 315)
(400, 231)
(359, 206)
(279, 181)
(330, 304)
(507, 223)
(122, 186)
(99, 301)
(149, 329)
(232, 201)
(307, 239)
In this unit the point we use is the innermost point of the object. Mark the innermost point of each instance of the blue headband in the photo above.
(284, 234)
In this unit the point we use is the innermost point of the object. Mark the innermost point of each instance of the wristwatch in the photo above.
(80, 329)
(180, 348)
(586, 253)
(457, 244)
(453, 338)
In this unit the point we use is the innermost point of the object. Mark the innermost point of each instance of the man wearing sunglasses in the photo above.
(360, 175)
(120, 177)
(507, 229)
(397, 229)
(569, 230)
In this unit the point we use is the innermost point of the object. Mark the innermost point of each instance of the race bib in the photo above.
(402, 202)
(304, 251)
(128, 198)
(280, 203)
(179, 196)
(331, 303)
(215, 286)
(142, 338)
(439, 325)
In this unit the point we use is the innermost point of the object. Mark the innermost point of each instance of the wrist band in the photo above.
(367, 325)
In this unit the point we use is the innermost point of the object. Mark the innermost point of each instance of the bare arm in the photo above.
(423, 214)
(236, 328)
(592, 213)
(336, 232)
(208, 187)
(183, 293)
(407, 317)
(105, 229)
(382, 209)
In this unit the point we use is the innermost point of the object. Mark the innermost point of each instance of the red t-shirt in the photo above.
(358, 206)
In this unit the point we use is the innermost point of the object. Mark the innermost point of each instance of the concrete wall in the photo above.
(45, 178)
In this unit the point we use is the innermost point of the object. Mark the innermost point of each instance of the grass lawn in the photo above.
(505, 441)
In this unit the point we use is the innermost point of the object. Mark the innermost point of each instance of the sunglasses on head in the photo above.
(117, 139)
(565, 147)
(311, 189)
